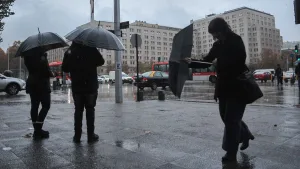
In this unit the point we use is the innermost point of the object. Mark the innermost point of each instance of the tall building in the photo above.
(56, 55)
(156, 43)
(256, 28)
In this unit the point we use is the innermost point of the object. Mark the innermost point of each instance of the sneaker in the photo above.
(93, 138)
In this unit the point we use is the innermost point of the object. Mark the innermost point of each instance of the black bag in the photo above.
(250, 89)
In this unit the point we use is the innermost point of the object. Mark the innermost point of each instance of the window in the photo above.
(158, 74)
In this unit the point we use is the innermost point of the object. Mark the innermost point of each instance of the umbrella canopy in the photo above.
(46, 41)
(96, 37)
(179, 69)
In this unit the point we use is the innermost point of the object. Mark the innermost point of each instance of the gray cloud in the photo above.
(62, 16)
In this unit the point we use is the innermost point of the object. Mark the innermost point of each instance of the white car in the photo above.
(105, 77)
(101, 80)
(11, 85)
(288, 74)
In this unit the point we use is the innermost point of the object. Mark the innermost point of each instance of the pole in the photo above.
(287, 63)
(137, 69)
(20, 66)
(118, 71)
(8, 57)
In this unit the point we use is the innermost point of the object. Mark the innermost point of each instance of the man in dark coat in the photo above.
(38, 87)
(82, 62)
(229, 50)
(297, 72)
(279, 74)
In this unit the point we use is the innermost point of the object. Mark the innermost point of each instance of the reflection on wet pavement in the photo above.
(285, 95)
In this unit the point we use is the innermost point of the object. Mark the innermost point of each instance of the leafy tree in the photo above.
(14, 63)
(5, 12)
(3, 61)
(110, 67)
(268, 60)
(125, 68)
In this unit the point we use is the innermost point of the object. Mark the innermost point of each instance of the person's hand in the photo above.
(188, 60)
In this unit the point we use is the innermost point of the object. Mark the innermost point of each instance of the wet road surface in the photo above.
(286, 95)
(148, 135)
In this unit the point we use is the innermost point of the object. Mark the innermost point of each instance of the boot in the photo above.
(93, 138)
(39, 133)
(229, 157)
(245, 143)
(77, 136)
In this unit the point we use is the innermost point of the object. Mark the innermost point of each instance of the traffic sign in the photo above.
(136, 40)
(124, 25)
(291, 55)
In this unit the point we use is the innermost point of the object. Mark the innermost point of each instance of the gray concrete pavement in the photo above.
(149, 134)
(287, 95)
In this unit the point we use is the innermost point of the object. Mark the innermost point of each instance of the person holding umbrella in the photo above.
(38, 87)
(229, 50)
(81, 62)
(34, 49)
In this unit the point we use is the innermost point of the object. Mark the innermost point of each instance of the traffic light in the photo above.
(296, 49)
(298, 57)
(158, 59)
(297, 11)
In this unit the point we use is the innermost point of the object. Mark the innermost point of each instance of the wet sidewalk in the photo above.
(148, 135)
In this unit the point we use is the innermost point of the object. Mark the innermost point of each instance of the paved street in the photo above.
(177, 134)
(149, 134)
(287, 96)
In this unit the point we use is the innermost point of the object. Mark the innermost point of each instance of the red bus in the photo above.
(55, 67)
(206, 74)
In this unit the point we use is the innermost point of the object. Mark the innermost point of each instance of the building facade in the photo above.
(156, 43)
(256, 28)
(290, 45)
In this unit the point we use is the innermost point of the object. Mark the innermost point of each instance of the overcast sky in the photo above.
(62, 16)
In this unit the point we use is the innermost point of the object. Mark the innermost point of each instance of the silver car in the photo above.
(11, 85)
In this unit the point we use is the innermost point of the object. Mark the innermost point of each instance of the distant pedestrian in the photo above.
(229, 50)
(38, 87)
(82, 62)
(297, 72)
(279, 75)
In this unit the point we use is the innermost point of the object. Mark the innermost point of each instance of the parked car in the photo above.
(263, 76)
(288, 75)
(101, 80)
(125, 78)
(153, 79)
(135, 76)
(10, 85)
(105, 77)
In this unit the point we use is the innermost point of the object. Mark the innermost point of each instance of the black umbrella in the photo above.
(96, 37)
(178, 68)
(46, 41)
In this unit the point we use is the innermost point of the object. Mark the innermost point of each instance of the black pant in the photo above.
(38, 98)
(236, 131)
(279, 80)
(87, 101)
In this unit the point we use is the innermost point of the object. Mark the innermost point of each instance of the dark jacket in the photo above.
(297, 70)
(82, 62)
(39, 73)
(231, 57)
(278, 72)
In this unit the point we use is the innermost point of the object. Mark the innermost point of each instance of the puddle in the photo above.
(6, 148)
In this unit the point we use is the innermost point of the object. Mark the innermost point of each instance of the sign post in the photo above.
(118, 71)
(136, 41)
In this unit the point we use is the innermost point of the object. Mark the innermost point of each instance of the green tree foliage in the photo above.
(5, 12)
